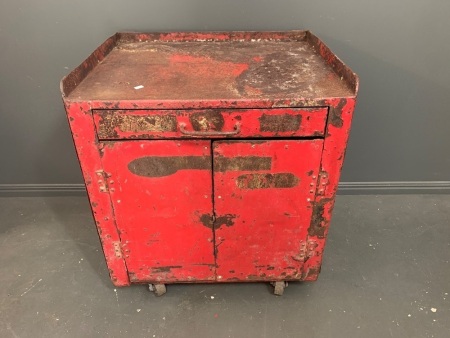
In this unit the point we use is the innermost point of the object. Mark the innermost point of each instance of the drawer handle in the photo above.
(237, 130)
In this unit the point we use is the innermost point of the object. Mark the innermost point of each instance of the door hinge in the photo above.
(322, 183)
(117, 249)
(102, 177)
(307, 249)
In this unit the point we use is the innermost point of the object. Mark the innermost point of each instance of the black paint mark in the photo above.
(227, 220)
(238, 163)
(317, 228)
(159, 166)
(279, 123)
(166, 268)
(265, 181)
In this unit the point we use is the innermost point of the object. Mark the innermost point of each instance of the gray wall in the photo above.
(400, 49)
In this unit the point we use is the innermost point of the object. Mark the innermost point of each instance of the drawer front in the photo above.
(210, 123)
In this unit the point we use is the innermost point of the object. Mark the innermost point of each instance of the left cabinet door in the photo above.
(161, 192)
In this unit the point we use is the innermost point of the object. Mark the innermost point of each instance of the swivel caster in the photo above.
(278, 288)
(157, 289)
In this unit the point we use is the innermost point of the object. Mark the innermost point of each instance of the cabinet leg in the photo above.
(278, 288)
(157, 289)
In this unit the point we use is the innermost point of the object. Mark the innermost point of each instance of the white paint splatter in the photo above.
(117, 297)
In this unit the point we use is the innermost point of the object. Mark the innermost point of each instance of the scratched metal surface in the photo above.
(211, 70)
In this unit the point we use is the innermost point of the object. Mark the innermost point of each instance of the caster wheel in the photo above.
(279, 287)
(157, 289)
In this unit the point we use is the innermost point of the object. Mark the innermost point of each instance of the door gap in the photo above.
(265, 138)
(213, 216)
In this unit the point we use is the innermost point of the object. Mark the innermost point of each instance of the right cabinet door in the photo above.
(263, 193)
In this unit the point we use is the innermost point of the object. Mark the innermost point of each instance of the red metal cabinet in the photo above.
(211, 157)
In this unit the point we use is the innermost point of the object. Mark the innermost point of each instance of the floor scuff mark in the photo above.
(30, 288)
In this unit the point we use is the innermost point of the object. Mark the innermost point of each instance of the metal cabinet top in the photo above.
(238, 69)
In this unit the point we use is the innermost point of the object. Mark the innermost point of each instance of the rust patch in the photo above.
(335, 115)
(316, 227)
(279, 123)
(159, 166)
(111, 121)
(166, 268)
(241, 163)
(207, 120)
(133, 277)
(266, 181)
(313, 272)
(227, 220)
(279, 72)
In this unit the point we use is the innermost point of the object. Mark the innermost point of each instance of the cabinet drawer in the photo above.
(210, 123)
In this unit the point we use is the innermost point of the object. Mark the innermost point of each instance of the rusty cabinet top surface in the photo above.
(210, 66)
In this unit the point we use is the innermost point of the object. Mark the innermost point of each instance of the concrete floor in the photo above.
(386, 273)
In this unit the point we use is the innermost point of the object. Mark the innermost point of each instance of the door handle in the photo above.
(235, 131)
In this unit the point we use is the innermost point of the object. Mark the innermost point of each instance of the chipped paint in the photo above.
(335, 115)
(111, 122)
(207, 120)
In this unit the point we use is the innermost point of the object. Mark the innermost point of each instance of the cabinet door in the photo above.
(161, 192)
(263, 193)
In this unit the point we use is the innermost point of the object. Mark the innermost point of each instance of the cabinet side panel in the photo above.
(338, 129)
(83, 133)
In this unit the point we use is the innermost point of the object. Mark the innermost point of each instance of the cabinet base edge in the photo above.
(345, 188)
